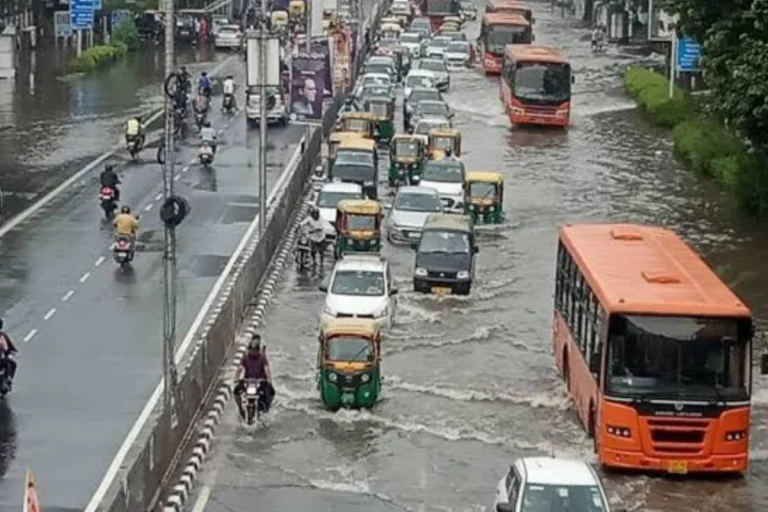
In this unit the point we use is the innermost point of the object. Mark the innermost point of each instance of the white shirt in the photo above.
(208, 134)
(229, 86)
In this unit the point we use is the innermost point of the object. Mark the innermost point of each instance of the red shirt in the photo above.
(255, 366)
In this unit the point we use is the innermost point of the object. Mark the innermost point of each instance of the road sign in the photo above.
(81, 14)
(119, 16)
(96, 5)
(688, 54)
(61, 27)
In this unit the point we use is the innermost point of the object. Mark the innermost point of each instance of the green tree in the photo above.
(125, 33)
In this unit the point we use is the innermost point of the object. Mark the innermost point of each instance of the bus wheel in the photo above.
(591, 426)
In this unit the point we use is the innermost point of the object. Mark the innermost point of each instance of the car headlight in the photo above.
(462, 274)
(365, 377)
(330, 311)
(422, 272)
(332, 377)
(380, 313)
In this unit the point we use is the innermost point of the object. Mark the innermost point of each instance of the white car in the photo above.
(436, 47)
(360, 287)
(329, 197)
(229, 36)
(409, 212)
(277, 111)
(456, 54)
(545, 483)
(400, 7)
(418, 78)
(217, 21)
(371, 79)
(447, 177)
(414, 43)
(440, 70)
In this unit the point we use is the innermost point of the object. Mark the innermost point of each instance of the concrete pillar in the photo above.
(8, 52)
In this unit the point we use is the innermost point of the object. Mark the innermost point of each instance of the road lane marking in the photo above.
(85, 277)
(177, 177)
(49, 314)
(148, 207)
(146, 412)
(30, 335)
(185, 169)
(66, 297)
(100, 260)
(159, 196)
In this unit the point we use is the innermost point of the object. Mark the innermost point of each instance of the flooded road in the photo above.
(470, 383)
(51, 125)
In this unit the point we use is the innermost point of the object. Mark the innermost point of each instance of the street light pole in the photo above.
(263, 34)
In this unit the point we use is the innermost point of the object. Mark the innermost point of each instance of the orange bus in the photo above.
(510, 7)
(655, 350)
(497, 30)
(535, 85)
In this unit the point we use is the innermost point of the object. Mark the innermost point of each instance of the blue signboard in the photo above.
(688, 54)
(96, 5)
(119, 16)
(81, 14)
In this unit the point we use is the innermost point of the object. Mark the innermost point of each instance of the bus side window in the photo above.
(569, 290)
(578, 330)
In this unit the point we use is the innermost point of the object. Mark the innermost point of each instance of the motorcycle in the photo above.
(255, 400)
(229, 103)
(302, 254)
(199, 120)
(134, 147)
(5, 379)
(123, 251)
(206, 155)
(108, 201)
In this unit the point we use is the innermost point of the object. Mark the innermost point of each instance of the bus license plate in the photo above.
(441, 290)
(678, 467)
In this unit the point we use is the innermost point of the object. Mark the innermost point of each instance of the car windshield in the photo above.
(379, 108)
(356, 173)
(376, 80)
(677, 357)
(358, 282)
(406, 148)
(447, 242)
(458, 47)
(417, 203)
(483, 190)
(443, 172)
(543, 82)
(376, 90)
(410, 38)
(423, 128)
(418, 81)
(440, 42)
(562, 498)
(377, 68)
(443, 143)
(228, 31)
(433, 65)
(350, 348)
(424, 94)
(349, 156)
(330, 199)
(388, 42)
(432, 108)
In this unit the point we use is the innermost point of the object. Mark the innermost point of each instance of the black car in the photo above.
(149, 25)
(445, 255)
(185, 28)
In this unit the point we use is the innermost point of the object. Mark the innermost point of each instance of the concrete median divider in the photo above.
(136, 479)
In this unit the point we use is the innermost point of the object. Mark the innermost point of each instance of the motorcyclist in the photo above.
(208, 136)
(254, 365)
(134, 130)
(126, 224)
(229, 91)
(109, 178)
(201, 103)
(204, 84)
(314, 229)
(186, 79)
(7, 349)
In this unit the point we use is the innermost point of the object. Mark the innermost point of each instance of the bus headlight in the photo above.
(736, 435)
(619, 431)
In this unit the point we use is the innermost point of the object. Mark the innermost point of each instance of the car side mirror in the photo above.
(414, 246)
(323, 288)
(394, 291)
(475, 250)
(573, 79)
(533, 37)
(504, 507)
(764, 364)
(596, 362)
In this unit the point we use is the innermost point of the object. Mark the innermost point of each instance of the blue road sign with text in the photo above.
(688, 55)
(81, 14)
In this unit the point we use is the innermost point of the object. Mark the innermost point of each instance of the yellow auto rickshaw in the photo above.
(406, 158)
(393, 19)
(358, 226)
(279, 19)
(484, 197)
(296, 9)
(334, 140)
(452, 19)
(444, 140)
(390, 30)
(448, 27)
(363, 123)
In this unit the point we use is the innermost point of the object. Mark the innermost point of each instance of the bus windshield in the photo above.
(678, 358)
(543, 82)
(498, 36)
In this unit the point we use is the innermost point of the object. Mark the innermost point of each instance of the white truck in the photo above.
(277, 110)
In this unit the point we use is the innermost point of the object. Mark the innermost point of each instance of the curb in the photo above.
(180, 492)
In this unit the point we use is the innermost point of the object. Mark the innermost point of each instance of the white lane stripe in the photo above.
(205, 493)
(49, 314)
(159, 196)
(177, 177)
(85, 277)
(148, 207)
(100, 261)
(69, 294)
(122, 452)
(185, 169)
(30, 335)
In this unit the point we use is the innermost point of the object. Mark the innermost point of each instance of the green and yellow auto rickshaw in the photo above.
(334, 140)
(357, 161)
(484, 197)
(444, 140)
(348, 359)
(296, 10)
(363, 123)
(279, 20)
(358, 226)
(391, 30)
(406, 157)
(395, 20)
(383, 110)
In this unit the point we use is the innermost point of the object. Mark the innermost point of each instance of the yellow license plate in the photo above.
(441, 290)
(678, 467)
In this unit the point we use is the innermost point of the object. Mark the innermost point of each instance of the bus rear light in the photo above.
(562, 113)
(736, 435)
(619, 431)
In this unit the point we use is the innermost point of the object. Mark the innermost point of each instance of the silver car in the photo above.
(440, 70)
(409, 211)
(436, 47)
(414, 42)
(457, 55)
(432, 109)
(229, 36)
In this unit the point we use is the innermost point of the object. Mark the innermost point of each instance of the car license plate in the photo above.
(413, 234)
(347, 398)
(678, 467)
(441, 290)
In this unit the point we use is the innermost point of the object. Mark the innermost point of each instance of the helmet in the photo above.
(255, 343)
(207, 124)
(109, 167)
(204, 73)
(315, 213)
(125, 209)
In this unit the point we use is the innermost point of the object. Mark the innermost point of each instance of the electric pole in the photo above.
(263, 35)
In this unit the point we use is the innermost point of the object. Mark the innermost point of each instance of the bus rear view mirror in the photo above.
(573, 79)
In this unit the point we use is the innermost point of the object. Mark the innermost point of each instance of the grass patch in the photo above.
(651, 91)
(125, 38)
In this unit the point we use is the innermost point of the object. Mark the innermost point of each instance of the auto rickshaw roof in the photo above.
(390, 19)
(279, 14)
(485, 177)
(452, 19)
(341, 136)
(296, 2)
(365, 327)
(358, 143)
(390, 26)
(447, 221)
(357, 115)
(444, 132)
(407, 138)
(360, 206)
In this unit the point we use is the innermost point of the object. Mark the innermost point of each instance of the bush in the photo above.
(651, 91)
(97, 57)
(126, 34)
